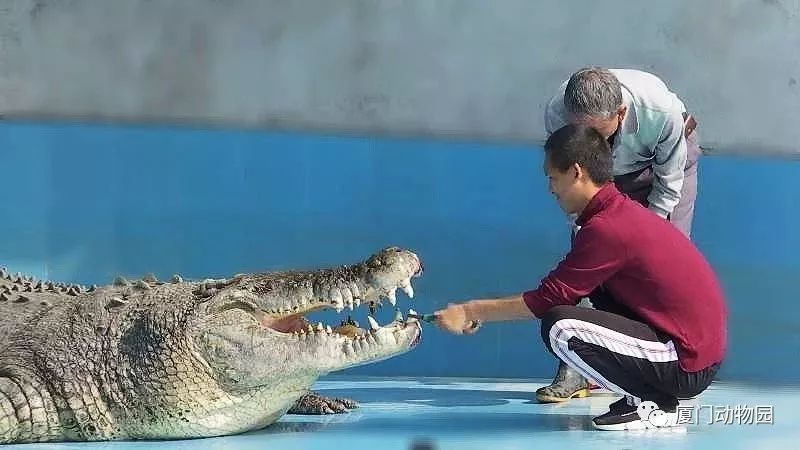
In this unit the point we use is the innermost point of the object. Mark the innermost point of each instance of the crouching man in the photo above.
(659, 334)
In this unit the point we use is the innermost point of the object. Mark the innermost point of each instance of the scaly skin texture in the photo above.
(183, 359)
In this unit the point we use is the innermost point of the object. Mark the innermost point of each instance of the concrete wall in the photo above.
(468, 68)
(87, 203)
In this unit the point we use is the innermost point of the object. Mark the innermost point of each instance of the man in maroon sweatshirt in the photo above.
(658, 332)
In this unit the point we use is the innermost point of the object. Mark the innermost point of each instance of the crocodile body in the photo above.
(182, 359)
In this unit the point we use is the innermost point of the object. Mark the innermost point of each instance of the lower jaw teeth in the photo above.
(373, 323)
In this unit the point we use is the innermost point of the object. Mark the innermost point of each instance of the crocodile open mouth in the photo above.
(299, 326)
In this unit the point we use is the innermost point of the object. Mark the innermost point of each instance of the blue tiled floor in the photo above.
(499, 414)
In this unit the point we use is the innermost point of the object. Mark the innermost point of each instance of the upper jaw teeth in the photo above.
(405, 285)
(337, 300)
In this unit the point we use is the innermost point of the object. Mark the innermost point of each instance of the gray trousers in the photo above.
(637, 186)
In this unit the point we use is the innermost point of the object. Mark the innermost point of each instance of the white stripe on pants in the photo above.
(565, 329)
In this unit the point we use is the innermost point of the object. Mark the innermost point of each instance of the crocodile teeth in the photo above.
(412, 319)
(382, 338)
(398, 316)
(406, 287)
(392, 296)
(347, 295)
(337, 300)
(319, 326)
(328, 329)
(176, 279)
(372, 323)
(357, 301)
(150, 278)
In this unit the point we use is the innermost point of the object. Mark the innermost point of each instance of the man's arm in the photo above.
(498, 309)
(461, 318)
(598, 252)
(668, 167)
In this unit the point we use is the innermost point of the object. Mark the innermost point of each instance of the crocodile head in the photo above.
(254, 331)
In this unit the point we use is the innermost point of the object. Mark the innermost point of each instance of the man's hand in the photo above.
(466, 318)
(456, 319)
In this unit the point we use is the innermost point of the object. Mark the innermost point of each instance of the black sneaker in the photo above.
(619, 413)
(647, 415)
(622, 405)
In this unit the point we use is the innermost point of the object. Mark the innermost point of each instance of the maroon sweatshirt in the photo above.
(646, 264)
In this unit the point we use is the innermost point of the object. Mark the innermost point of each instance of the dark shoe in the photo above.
(622, 405)
(620, 416)
(567, 384)
(623, 416)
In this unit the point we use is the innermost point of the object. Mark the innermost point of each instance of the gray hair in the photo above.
(593, 92)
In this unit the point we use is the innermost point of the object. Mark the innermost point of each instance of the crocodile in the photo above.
(179, 359)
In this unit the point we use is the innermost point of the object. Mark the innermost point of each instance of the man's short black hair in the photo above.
(582, 145)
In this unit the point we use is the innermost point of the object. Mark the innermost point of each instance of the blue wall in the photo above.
(86, 203)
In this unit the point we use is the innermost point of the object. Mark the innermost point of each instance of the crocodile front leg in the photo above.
(313, 403)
